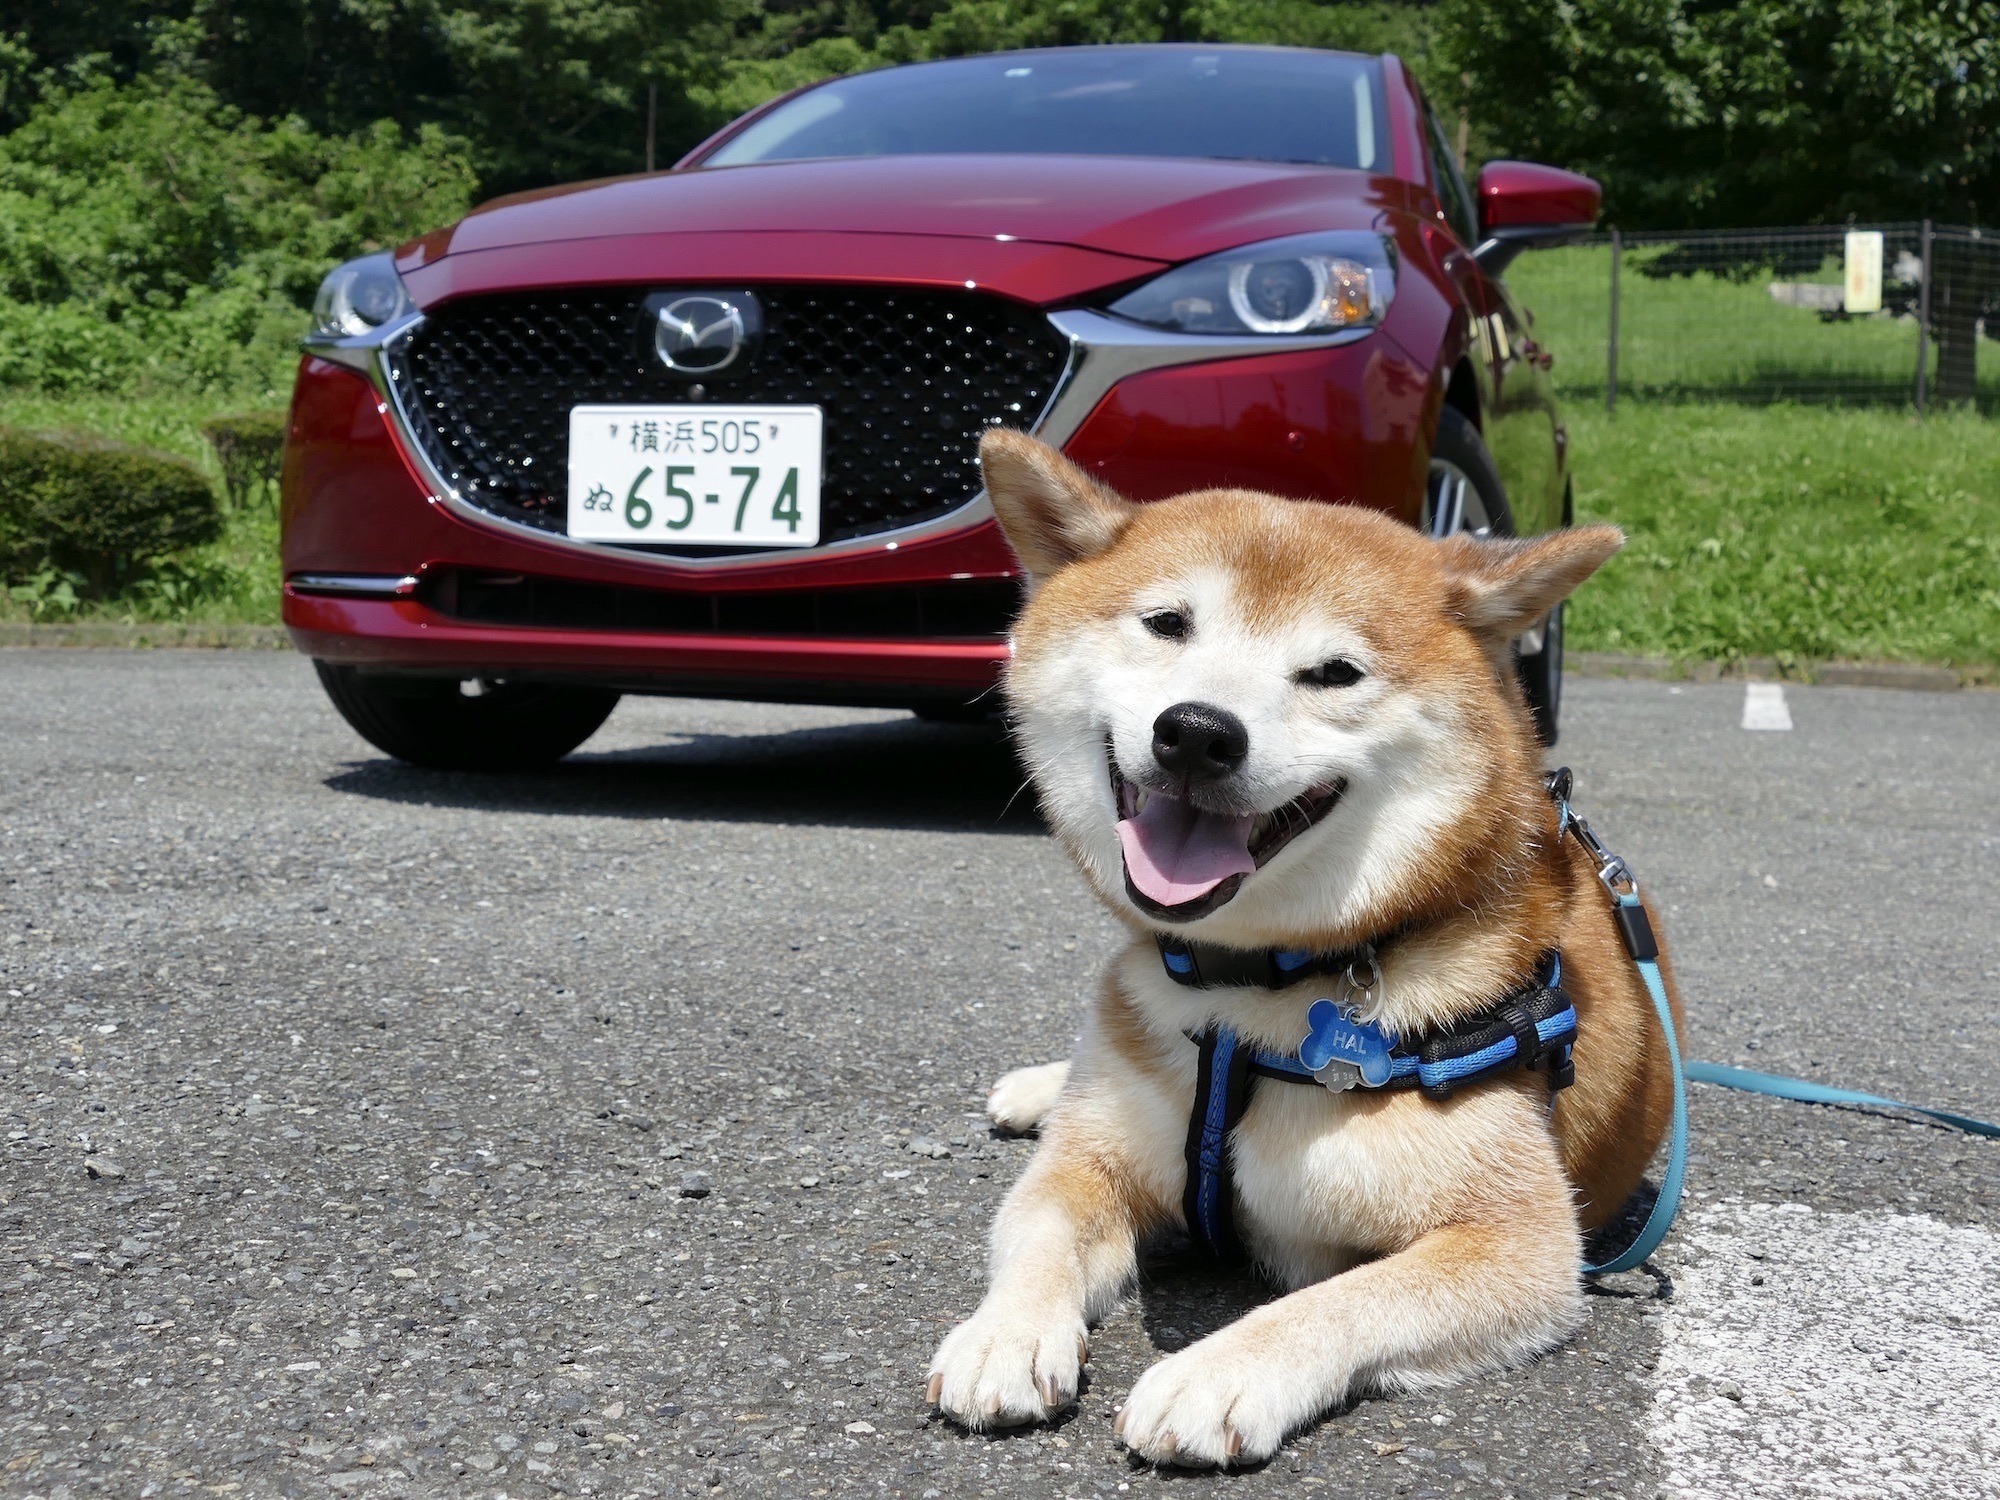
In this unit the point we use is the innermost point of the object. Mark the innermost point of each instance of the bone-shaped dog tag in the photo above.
(1343, 1052)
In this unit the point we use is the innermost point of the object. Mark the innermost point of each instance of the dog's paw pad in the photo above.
(1022, 1099)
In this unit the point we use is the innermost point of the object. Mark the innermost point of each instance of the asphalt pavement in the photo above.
(616, 1131)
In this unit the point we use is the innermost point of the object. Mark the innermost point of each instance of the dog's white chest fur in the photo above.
(1308, 1184)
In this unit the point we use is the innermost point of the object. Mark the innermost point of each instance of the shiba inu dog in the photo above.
(1258, 724)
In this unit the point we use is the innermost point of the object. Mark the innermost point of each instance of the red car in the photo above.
(712, 431)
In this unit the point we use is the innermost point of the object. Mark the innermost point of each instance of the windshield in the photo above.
(1248, 103)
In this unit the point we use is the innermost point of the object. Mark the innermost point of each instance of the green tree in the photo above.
(1745, 112)
(150, 231)
(541, 90)
(780, 44)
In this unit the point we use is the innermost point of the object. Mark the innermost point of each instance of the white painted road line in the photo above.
(1830, 1356)
(1764, 706)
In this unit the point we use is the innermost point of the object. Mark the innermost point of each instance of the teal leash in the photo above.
(1661, 1218)
(1806, 1092)
(1637, 931)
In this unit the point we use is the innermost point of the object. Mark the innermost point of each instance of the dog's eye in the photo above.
(1168, 624)
(1337, 673)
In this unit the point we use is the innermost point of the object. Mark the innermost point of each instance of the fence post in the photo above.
(1611, 350)
(652, 121)
(1924, 320)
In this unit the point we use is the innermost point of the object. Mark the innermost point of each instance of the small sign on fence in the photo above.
(1864, 271)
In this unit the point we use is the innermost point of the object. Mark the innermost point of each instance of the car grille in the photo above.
(908, 381)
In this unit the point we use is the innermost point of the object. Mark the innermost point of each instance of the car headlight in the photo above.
(360, 297)
(1307, 283)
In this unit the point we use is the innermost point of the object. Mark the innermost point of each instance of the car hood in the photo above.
(1150, 209)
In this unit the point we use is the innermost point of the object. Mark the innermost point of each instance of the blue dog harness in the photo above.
(1533, 1026)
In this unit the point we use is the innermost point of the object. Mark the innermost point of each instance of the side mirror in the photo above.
(1525, 206)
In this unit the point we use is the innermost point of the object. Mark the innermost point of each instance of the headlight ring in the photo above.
(359, 297)
(1303, 284)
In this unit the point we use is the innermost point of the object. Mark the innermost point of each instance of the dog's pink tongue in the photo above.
(1175, 852)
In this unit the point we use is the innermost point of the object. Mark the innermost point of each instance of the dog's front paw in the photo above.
(1211, 1405)
(1022, 1098)
(1003, 1368)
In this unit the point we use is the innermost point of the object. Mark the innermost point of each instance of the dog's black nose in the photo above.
(1200, 741)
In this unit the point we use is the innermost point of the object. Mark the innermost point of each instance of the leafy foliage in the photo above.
(1758, 112)
(251, 448)
(77, 508)
(538, 90)
(151, 233)
(233, 579)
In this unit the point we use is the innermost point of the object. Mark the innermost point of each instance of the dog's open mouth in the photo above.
(1183, 862)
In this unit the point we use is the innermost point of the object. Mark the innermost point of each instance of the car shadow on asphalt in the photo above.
(902, 773)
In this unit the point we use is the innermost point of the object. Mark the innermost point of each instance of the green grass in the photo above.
(1791, 532)
(1706, 336)
(234, 580)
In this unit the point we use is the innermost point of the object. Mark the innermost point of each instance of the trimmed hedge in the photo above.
(97, 508)
(250, 448)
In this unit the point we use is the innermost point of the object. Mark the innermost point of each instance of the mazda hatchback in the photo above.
(713, 431)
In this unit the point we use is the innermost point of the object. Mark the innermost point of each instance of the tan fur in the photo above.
(1423, 1241)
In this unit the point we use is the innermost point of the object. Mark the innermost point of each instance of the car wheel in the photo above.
(1464, 493)
(450, 725)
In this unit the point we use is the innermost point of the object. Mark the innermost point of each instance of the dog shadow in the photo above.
(1184, 1296)
(1605, 1242)
(894, 773)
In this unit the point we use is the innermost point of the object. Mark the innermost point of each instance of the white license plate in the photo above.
(708, 475)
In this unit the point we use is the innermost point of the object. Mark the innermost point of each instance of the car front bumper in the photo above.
(381, 558)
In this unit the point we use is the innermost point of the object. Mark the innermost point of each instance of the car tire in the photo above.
(1465, 494)
(433, 722)
(1541, 674)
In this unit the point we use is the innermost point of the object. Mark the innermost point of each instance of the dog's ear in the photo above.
(1501, 588)
(1053, 514)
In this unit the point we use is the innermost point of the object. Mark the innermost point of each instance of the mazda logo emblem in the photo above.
(704, 333)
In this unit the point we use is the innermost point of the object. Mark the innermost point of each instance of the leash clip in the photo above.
(1616, 877)
(1612, 872)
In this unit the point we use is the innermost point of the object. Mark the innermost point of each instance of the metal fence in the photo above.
(1904, 314)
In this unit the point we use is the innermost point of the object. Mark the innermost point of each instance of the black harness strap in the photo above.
(1221, 1094)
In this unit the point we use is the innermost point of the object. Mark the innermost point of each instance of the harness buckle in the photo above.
(1561, 1063)
(1528, 1048)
